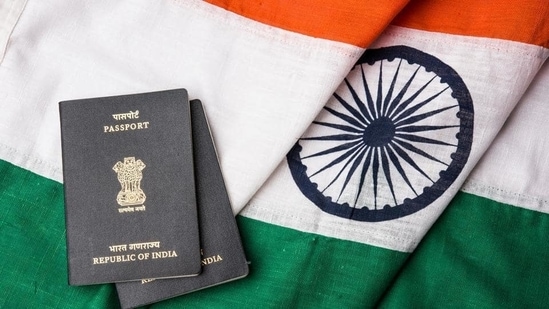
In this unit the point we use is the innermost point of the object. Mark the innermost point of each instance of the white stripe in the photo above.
(10, 10)
(261, 86)
(496, 72)
(515, 169)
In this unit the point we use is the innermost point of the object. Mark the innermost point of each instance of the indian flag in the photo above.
(378, 154)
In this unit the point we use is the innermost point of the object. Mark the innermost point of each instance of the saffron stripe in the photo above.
(514, 20)
(349, 21)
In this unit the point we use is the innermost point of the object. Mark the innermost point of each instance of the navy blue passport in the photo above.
(129, 188)
(223, 257)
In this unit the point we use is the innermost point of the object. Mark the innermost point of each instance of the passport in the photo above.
(130, 204)
(223, 257)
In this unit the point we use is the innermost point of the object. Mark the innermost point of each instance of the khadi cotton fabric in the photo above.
(376, 154)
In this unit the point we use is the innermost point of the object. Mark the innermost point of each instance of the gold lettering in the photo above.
(126, 127)
(118, 248)
(113, 259)
(126, 209)
(128, 115)
(211, 259)
(144, 245)
(163, 254)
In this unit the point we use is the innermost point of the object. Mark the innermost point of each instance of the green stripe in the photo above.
(288, 268)
(479, 254)
(33, 271)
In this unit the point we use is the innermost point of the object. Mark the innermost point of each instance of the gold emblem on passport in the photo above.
(129, 176)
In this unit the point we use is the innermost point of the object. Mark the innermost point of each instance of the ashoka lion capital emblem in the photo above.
(129, 176)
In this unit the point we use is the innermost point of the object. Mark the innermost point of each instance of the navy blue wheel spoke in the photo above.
(412, 129)
(365, 168)
(339, 127)
(414, 108)
(335, 137)
(409, 160)
(356, 163)
(350, 120)
(333, 150)
(389, 94)
(358, 102)
(370, 110)
(339, 159)
(379, 90)
(418, 151)
(356, 152)
(421, 139)
(387, 172)
(399, 168)
(420, 117)
(375, 171)
(351, 109)
(411, 99)
(402, 92)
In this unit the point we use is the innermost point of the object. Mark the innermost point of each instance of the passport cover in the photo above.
(223, 256)
(129, 186)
